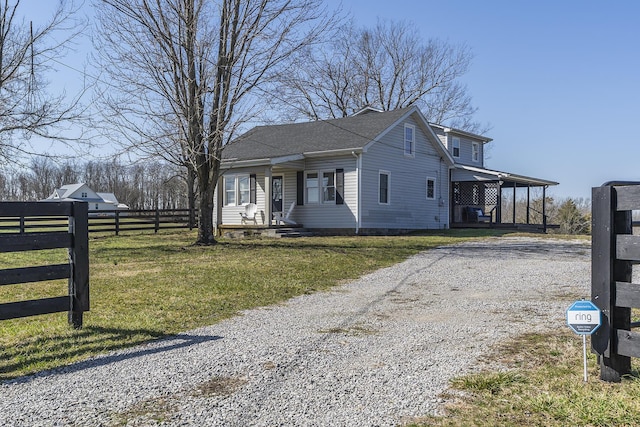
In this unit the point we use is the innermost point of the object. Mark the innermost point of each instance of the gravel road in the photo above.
(374, 352)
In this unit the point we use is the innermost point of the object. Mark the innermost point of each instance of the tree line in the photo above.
(161, 185)
(176, 80)
(148, 185)
(572, 215)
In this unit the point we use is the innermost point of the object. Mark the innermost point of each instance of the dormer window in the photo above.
(456, 147)
(475, 151)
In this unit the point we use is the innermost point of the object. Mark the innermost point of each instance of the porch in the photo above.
(482, 198)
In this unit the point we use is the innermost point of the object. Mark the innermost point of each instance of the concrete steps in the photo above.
(288, 232)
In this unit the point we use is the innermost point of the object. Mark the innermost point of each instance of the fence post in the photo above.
(157, 220)
(79, 259)
(607, 222)
(117, 223)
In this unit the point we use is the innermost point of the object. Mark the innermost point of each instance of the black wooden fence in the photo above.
(614, 252)
(76, 268)
(141, 219)
(108, 221)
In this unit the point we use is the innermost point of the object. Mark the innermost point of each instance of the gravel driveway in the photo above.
(374, 352)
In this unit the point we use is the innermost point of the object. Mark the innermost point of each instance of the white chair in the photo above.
(249, 214)
(285, 217)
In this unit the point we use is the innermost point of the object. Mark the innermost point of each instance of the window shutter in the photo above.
(300, 188)
(339, 186)
(252, 188)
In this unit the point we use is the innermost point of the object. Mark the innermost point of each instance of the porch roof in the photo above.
(481, 174)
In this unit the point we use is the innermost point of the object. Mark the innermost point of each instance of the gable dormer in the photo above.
(466, 148)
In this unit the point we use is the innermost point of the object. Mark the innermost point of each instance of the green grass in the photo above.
(145, 286)
(542, 386)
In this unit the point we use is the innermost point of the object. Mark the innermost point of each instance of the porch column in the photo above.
(514, 202)
(499, 205)
(544, 208)
(528, 201)
(267, 196)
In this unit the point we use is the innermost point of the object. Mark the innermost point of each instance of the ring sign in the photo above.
(583, 317)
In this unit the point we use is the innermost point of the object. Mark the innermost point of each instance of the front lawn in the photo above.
(146, 286)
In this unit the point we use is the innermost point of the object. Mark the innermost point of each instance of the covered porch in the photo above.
(259, 198)
(483, 198)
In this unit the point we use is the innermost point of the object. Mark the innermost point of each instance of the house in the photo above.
(373, 172)
(82, 193)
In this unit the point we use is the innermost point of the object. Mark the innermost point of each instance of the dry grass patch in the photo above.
(539, 382)
(220, 386)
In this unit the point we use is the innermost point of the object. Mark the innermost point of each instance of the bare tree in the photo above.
(387, 67)
(27, 54)
(184, 74)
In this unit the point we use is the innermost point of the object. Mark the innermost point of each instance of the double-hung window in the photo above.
(244, 189)
(230, 190)
(328, 187)
(384, 187)
(311, 187)
(409, 140)
(475, 151)
(237, 190)
(456, 147)
(431, 188)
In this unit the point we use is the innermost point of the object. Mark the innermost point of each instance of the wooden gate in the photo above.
(614, 252)
(13, 216)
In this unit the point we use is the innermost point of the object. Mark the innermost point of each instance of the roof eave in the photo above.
(331, 153)
(506, 176)
(236, 163)
(460, 132)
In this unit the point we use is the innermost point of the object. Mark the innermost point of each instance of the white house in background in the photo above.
(82, 193)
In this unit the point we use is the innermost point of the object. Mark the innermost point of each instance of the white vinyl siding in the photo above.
(329, 214)
(230, 214)
(409, 207)
(466, 151)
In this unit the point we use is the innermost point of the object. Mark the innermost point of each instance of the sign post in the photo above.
(584, 318)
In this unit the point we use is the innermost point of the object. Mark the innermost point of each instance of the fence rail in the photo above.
(73, 216)
(614, 252)
(110, 221)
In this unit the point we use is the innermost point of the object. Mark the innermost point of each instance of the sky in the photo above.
(557, 81)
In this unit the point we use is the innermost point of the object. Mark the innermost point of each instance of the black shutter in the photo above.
(252, 188)
(339, 186)
(300, 188)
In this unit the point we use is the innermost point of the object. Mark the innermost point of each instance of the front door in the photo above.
(276, 194)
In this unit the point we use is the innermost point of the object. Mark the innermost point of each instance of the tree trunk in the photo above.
(205, 225)
(191, 195)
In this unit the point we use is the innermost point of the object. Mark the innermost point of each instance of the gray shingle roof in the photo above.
(263, 142)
